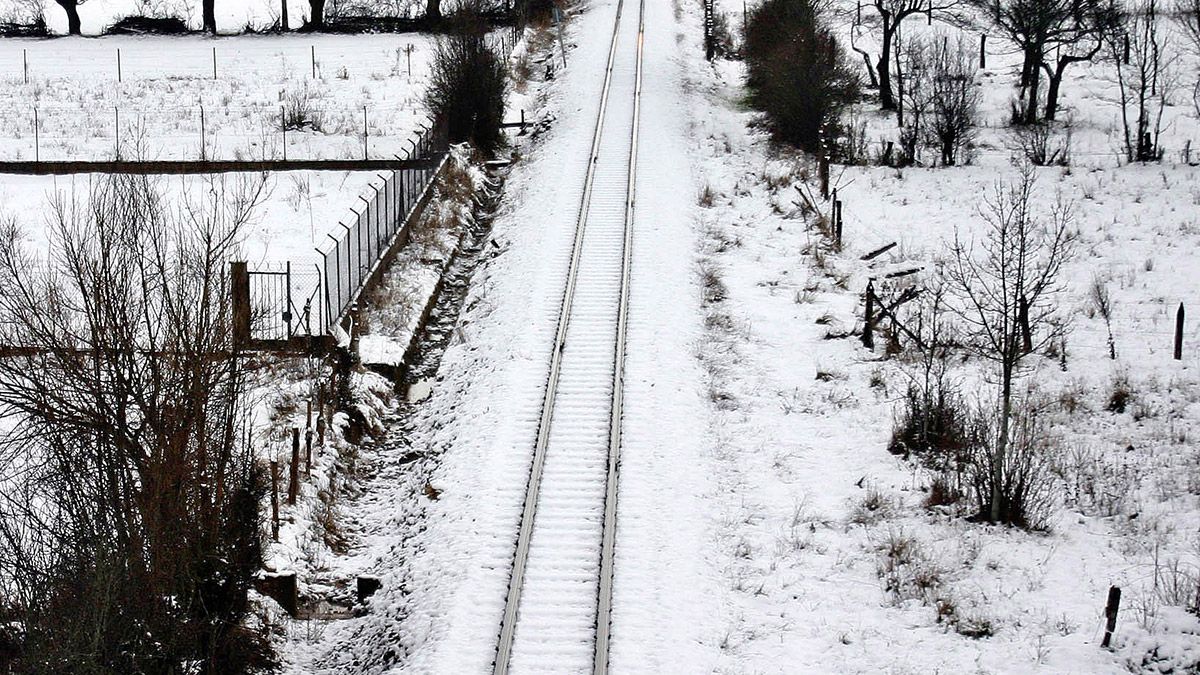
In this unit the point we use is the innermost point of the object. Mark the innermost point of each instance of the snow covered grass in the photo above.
(829, 552)
(73, 85)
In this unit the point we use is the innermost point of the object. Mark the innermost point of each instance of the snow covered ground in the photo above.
(764, 527)
(171, 107)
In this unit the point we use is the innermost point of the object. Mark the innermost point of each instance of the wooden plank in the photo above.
(212, 166)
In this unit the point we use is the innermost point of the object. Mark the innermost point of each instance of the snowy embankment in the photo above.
(315, 529)
(830, 558)
(389, 517)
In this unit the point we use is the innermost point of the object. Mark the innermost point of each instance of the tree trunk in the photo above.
(72, 9)
(317, 7)
(210, 16)
(283, 16)
(1001, 441)
(1031, 104)
(884, 67)
(433, 10)
(1052, 87)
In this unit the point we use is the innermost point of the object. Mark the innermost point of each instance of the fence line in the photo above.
(288, 301)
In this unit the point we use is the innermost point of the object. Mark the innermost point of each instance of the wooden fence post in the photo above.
(294, 469)
(283, 126)
(239, 287)
(1179, 333)
(275, 500)
(1110, 614)
(837, 224)
(308, 437)
(868, 337)
(1026, 334)
(823, 171)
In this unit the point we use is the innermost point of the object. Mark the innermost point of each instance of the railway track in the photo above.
(557, 610)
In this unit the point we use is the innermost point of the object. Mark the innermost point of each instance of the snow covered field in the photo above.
(168, 105)
(299, 212)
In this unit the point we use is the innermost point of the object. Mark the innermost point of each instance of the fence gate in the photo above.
(275, 303)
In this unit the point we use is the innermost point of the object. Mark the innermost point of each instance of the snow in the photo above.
(761, 517)
(299, 212)
(763, 526)
(168, 107)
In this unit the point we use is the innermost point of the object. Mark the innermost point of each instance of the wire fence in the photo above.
(285, 301)
(348, 261)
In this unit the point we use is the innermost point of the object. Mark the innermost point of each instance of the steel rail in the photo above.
(609, 537)
(508, 622)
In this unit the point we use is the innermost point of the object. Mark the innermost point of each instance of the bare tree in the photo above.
(1187, 14)
(71, 7)
(1145, 65)
(939, 99)
(892, 14)
(914, 86)
(1051, 34)
(129, 496)
(1006, 289)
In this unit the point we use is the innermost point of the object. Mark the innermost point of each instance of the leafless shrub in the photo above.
(1016, 486)
(467, 87)
(873, 506)
(1098, 483)
(129, 498)
(906, 569)
(1042, 143)
(1120, 395)
(1146, 79)
(934, 420)
(1102, 303)
(24, 18)
(954, 100)
(299, 110)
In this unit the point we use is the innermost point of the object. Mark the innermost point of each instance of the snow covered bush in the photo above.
(797, 73)
(1041, 144)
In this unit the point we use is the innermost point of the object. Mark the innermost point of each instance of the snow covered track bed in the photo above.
(556, 614)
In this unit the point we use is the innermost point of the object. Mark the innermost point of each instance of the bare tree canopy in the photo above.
(892, 14)
(1051, 34)
(128, 492)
